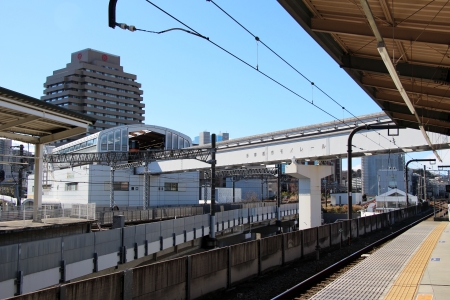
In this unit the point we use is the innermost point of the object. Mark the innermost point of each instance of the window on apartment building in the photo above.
(72, 186)
(171, 186)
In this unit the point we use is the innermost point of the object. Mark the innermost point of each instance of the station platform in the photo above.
(415, 265)
(22, 231)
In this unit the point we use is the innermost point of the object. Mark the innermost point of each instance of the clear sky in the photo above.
(189, 84)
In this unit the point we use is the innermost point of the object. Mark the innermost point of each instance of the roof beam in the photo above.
(363, 29)
(34, 111)
(62, 135)
(410, 88)
(440, 106)
(18, 122)
(439, 75)
(19, 137)
(443, 126)
(426, 116)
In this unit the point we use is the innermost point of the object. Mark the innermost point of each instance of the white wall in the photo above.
(356, 198)
(91, 181)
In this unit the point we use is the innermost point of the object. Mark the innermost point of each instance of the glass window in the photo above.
(72, 186)
(171, 186)
(111, 141)
(174, 141)
(90, 142)
(118, 186)
(117, 140)
(124, 140)
(103, 142)
(168, 140)
(180, 142)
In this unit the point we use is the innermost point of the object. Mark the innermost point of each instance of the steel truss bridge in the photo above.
(126, 160)
(262, 172)
(117, 158)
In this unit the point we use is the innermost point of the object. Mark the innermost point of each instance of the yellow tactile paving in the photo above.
(406, 284)
(424, 297)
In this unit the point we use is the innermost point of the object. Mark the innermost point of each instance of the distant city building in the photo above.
(95, 84)
(370, 165)
(223, 137)
(205, 138)
(195, 141)
(389, 180)
(5, 149)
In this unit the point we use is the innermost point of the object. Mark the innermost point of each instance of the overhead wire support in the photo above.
(291, 66)
(112, 21)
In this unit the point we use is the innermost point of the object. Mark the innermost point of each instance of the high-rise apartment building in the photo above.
(95, 84)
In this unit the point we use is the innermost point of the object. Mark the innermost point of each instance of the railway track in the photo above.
(309, 287)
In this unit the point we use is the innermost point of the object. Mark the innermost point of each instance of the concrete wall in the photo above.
(244, 261)
(165, 280)
(293, 245)
(208, 272)
(190, 276)
(271, 252)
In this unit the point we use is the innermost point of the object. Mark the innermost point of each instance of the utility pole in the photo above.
(279, 171)
(406, 176)
(20, 183)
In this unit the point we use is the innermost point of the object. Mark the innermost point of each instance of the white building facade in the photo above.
(91, 183)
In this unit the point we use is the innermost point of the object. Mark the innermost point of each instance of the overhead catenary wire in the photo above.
(280, 57)
(262, 73)
(290, 65)
(193, 31)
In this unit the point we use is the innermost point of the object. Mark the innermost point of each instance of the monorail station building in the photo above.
(91, 183)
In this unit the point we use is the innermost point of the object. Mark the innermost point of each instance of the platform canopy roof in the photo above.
(394, 49)
(27, 119)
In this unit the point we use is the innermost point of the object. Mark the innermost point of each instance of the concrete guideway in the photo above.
(325, 146)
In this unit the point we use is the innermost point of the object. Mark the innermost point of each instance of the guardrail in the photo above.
(80, 211)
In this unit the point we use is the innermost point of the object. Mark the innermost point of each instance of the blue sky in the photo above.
(189, 84)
